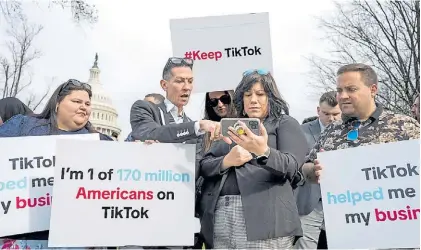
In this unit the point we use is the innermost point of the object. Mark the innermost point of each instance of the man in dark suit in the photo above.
(166, 121)
(308, 196)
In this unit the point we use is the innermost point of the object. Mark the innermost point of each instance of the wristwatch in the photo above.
(264, 156)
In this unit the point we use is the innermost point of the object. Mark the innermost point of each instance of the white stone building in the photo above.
(103, 115)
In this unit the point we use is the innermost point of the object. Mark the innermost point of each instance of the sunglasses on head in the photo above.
(75, 83)
(353, 133)
(258, 71)
(179, 61)
(225, 99)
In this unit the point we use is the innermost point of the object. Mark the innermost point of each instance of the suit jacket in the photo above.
(266, 190)
(308, 195)
(152, 122)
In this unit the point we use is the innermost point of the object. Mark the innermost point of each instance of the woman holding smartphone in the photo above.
(249, 202)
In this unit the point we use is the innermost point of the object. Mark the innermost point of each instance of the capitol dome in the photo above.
(103, 115)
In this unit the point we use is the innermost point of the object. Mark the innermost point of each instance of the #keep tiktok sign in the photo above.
(223, 47)
(371, 196)
(123, 194)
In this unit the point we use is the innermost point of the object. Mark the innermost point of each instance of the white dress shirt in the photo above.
(180, 118)
(322, 127)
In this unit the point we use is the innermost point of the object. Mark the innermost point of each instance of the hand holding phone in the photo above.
(249, 133)
(251, 123)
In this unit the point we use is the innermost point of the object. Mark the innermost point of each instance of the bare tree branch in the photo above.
(80, 9)
(11, 10)
(24, 86)
(40, 100)
(383, 34)
(34, 101)
(15, 77)
(6, 75)
(20, 40)
(15, 61)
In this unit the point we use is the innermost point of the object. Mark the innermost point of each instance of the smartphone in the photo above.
(251, 123)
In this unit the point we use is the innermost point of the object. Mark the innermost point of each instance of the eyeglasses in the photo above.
(258, 71)
(225, 99)
(178, 60)
(75, 83)
(353, 133)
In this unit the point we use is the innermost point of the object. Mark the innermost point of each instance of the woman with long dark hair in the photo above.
(250, 203)
(218, 105)
(66, 113)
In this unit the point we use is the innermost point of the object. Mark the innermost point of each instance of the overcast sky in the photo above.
(133, 43)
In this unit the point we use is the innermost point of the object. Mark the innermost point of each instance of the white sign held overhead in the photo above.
(223, 47)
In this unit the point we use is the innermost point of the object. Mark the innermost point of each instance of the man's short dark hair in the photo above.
(158, 97)
(310, 119)
(329, 98)
(368, 75)
(167, 72)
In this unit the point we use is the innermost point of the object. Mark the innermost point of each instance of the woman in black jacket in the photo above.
(249, 202)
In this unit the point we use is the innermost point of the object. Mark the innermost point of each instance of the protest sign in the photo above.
(123, 194)
(26, 179)
(223, 47)
(371, 197)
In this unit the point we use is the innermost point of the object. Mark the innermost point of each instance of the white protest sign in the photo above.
(223, 47)
(371, 196)
(26, 179)
(123, 194)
